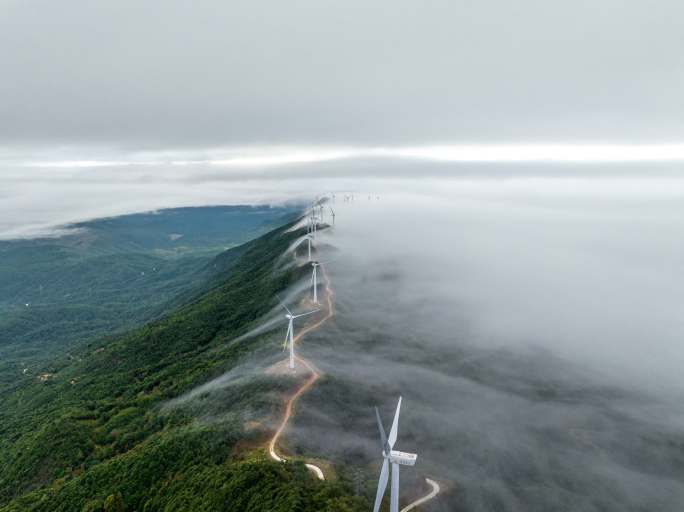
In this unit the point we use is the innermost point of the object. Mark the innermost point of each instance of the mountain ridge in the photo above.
(100, 417)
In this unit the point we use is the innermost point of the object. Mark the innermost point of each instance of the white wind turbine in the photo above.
(393, 457)
(332, 213)
(314, 280)
(313, 222)
(289, 335)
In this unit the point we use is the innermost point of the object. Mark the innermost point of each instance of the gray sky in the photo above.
(178, 74)
(113, 107)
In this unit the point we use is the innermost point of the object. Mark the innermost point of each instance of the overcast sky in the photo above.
(120, 106)
(177, 74)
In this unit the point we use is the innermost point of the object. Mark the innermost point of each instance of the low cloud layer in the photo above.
(38, 200)
(583, 269)
(533, 328)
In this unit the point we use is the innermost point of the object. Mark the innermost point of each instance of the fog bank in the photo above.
(533, 328)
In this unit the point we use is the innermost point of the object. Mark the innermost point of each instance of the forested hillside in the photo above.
(97, 432)
(108, 276)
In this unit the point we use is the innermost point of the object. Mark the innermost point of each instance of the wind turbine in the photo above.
(289, 335)
(313, 221)
(393, 457)
(314, 278)
(314, 281)
(332, 213)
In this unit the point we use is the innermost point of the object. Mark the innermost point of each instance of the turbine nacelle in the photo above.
(403, 458)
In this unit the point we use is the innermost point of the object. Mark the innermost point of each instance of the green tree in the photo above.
(114, 503)
(93, 506)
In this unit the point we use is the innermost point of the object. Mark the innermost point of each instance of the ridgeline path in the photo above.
(433, 492)
(314, 375)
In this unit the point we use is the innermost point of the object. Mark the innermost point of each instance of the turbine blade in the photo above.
(283, 304)
(308, 313)
(382, 485)
(383, 437)
(395, 427)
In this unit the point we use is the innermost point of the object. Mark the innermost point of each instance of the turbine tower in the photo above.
(314, 280)
(332, 213)
(289, 335)
(394, 457)
(308, 238)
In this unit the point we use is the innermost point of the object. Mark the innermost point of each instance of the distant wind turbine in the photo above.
(332, 213)
(313, 222)
(289, 336)
(314, 278)
(393, 457)
(314, 281)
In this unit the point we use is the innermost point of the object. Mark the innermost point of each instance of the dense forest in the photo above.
(108, 276)
(97, 429)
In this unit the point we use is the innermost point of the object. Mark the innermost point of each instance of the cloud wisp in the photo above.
(277, 156)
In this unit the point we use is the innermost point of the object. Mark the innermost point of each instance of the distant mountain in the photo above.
(110, 275)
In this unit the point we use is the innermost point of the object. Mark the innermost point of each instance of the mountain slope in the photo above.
(97, 434)
(109, 276)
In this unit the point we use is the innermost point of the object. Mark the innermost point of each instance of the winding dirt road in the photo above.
(314, 375)
(433, 492)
